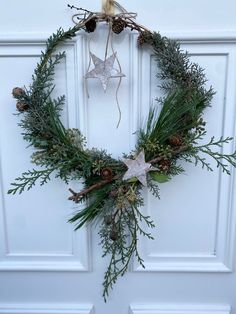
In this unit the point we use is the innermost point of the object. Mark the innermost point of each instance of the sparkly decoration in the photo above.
(104, 70)
(138, 168)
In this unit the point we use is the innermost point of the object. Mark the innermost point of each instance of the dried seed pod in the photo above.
(21, 106)
(141, 39)
(118, 25)
(175, 140)
(144, 37)
(18, 92)
(106, 173)
(164, 164)
(114, 235)
(91, 25)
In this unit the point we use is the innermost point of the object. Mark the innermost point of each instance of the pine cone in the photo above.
(118, 25)
(106, 173)
(114, 235)
(91, 25)
(141, 39)
(144, 37)
(21, 106)
(164, 164)
(18, 92)
(175, 140)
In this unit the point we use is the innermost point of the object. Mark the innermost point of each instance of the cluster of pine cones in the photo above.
(118, 25)
(19, 94)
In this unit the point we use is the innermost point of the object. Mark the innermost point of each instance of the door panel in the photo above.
(47, 268)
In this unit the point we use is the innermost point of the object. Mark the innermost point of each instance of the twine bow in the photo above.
(108, 6)
(108, 13)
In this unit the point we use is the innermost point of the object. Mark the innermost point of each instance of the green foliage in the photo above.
(159, 177)
(153, 187)
(196, 152)
(127, 224)
(179, 114)
(28, 180)
(91, 212)
(176, 69)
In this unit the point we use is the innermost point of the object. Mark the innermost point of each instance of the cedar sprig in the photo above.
(28, 180)
(125, 246)
(222, 160)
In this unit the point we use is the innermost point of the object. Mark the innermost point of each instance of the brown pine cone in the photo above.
(21, 106)
(114, 235)
(18, 92)
(118, 25)
(91, 25)
(175, 140)
(144, 37)
(106, 173)
(141, 39)
(164, 164)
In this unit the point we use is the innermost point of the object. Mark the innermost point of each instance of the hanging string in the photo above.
(108, 6)
(107, 42)
(119, 6)
(90, 60)
(118, 86)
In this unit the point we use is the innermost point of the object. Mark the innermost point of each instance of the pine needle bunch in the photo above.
(166, 138)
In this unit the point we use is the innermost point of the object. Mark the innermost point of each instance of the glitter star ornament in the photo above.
(138, 168)
(104, 70)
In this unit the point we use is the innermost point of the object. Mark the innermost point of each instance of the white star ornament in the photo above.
(138, 168)
(104, 70)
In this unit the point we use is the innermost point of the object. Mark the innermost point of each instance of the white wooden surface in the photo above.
(47, 268)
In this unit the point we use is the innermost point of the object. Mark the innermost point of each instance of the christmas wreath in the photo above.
(113, 188)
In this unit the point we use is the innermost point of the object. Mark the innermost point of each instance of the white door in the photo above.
(47, 268)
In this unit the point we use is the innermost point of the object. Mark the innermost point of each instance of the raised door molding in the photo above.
(220, 255)
(179, 309)
(73, 255)
(57, 308)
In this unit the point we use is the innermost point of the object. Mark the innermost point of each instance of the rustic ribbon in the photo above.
(108, 6)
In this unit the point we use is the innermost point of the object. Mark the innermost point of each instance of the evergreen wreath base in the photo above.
(165, 139)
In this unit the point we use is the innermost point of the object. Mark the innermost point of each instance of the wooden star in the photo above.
(104, 70)
(138, 168)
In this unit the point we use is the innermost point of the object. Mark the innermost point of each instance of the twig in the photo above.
(78, 9)
(77, 196)
(175, 152)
